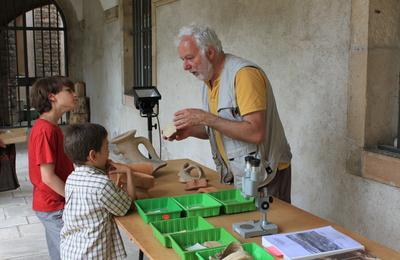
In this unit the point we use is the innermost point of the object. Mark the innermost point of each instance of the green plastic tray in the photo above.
(180, 241)
(257, 252)
(233, 202)
(151, 210)
(161, 229)
(199, 205)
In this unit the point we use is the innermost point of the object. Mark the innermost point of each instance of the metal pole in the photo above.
(150, 127)
(140, 254)
(398, 122)
(26, 69)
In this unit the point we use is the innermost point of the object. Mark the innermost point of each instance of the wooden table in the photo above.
(286, 216)
(14, 135)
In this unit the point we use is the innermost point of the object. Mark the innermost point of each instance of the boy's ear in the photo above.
(91, 156)
(51, 97)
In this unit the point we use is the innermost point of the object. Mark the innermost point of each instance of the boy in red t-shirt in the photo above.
(49, 167)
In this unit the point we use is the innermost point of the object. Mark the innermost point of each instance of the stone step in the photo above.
(23, 248)
(19, 211)
(31, 257)
(14, 221)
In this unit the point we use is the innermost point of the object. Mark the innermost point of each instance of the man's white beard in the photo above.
(205, 70)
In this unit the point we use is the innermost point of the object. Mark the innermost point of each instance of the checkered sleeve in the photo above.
(115, 200)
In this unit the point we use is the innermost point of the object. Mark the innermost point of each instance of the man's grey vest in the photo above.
(273, 150)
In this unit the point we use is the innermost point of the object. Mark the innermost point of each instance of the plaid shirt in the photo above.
(90, 231)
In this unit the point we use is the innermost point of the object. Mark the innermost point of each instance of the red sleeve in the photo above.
(44, 149)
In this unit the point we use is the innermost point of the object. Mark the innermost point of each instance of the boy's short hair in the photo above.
(79, 139)
(45, 86)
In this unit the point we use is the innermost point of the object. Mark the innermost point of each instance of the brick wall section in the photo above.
(8, 98)
(47, 57)
(46, 42)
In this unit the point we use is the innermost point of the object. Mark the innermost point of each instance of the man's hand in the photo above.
(179, 135)
(190, 117)
(190, 122)
(251, 129)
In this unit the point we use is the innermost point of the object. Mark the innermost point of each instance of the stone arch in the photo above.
(75, 24)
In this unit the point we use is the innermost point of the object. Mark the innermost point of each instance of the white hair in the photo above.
(203, 35)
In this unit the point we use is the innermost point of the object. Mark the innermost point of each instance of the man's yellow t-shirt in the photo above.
(250, 97)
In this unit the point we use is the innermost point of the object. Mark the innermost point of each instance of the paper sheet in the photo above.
(311, 243)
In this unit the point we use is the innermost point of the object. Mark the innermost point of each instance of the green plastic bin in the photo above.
(156, 209)
(257, 252)
(161, 229)
(233, 202)
(180, 241)
(199, 205)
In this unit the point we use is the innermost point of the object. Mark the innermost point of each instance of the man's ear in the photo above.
(91, 156)
(210, 53)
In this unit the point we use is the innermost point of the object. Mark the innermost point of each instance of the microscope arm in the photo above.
(254, 185)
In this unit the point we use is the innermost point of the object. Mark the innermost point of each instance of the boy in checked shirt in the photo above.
(92, 199)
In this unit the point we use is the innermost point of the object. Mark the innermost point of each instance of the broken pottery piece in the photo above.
(169, 130)
(141, 167)
(234, 251)
(231, 248)
(238, 255)
(128, 145)
(211, 244)
(185, 174)
(140, 180)
(184, 166)
(196, 184)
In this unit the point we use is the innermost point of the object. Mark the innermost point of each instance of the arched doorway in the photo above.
(33, 44)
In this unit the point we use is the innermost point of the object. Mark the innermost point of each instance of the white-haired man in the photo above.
(239, 114)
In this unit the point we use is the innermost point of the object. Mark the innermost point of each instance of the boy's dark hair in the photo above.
(79, 139)
(45, 86)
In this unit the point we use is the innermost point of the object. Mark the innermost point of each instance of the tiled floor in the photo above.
(21, 234)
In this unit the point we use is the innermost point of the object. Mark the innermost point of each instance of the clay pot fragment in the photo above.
(234, 251)
(196, 184)
(146, 168)
(128, 145)
(143, 181)
(211, 244)
(186, 175)
(169, 130)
